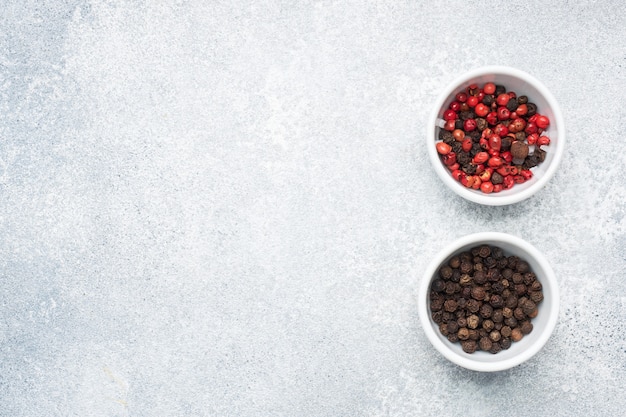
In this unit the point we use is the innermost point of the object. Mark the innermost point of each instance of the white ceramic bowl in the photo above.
(523, 84)
(543, 324)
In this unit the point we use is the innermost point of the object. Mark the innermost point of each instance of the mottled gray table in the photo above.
(224, 208)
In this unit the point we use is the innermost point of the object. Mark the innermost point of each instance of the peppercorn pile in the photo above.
(484, 299)
(488, 136)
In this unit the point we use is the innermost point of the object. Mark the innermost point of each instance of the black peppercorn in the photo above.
(480, 277)
(473, 321)
(450, 306)
(497, 316)
(526, 327)
(488, 325)
(516, 335)
(500, 89)
(454, 262)
(453, 338)
(522, 100)
(505, 343)
(488, 99)
(532, 109)
(536, 296)
(437, 317)
(466, 267)
(486, 311)
(496, 301)
(505, 331)
(463, 333)
(466, 279)
(495, 336)
(453, 327)
(522, 267)
(438, 285)
(512, 104)
(485, 343)
(511, 322)
(445, 272)
(506, 143)
(469, 346)
(497, 287)
(473, 306)
(478, 293)
(484, 251)
(511, 301)
(495, 348)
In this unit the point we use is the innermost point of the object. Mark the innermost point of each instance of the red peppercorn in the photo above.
(507, 170)
(458, 134)
(508, 181)
(449, 115)
(486, 187)
(507, 156)
(472, 101)
(495, 142)
(481, 110)
(456, 174)
(481, 157)
(477, 182)
(501, 130)
(526, 173)
(517, 125)
(521, 110)
(530, 128)
(469, 125)
(467, 180)
(532, 138)
(503, 113)
(492, 118)
(497, 188)
(489, 88)
(462, 97)
(467, 144)
(495, 162)
(542, 122)
(486, 174)
(519, 179)
(449, 158)
(543, 140)
(503, 99)
(455, 106)
(443, 148)
(480, 168)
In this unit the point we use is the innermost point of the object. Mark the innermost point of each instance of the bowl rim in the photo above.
(495, 199)
(493, 238)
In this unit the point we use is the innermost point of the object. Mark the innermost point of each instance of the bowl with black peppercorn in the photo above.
(496, 135)
(488, 301)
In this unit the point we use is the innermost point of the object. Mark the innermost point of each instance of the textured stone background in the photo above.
(223, 208)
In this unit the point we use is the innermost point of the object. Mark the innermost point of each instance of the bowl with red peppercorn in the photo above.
(496, 135)
(488, 301)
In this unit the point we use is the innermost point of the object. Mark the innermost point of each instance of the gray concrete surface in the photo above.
(223, 208)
